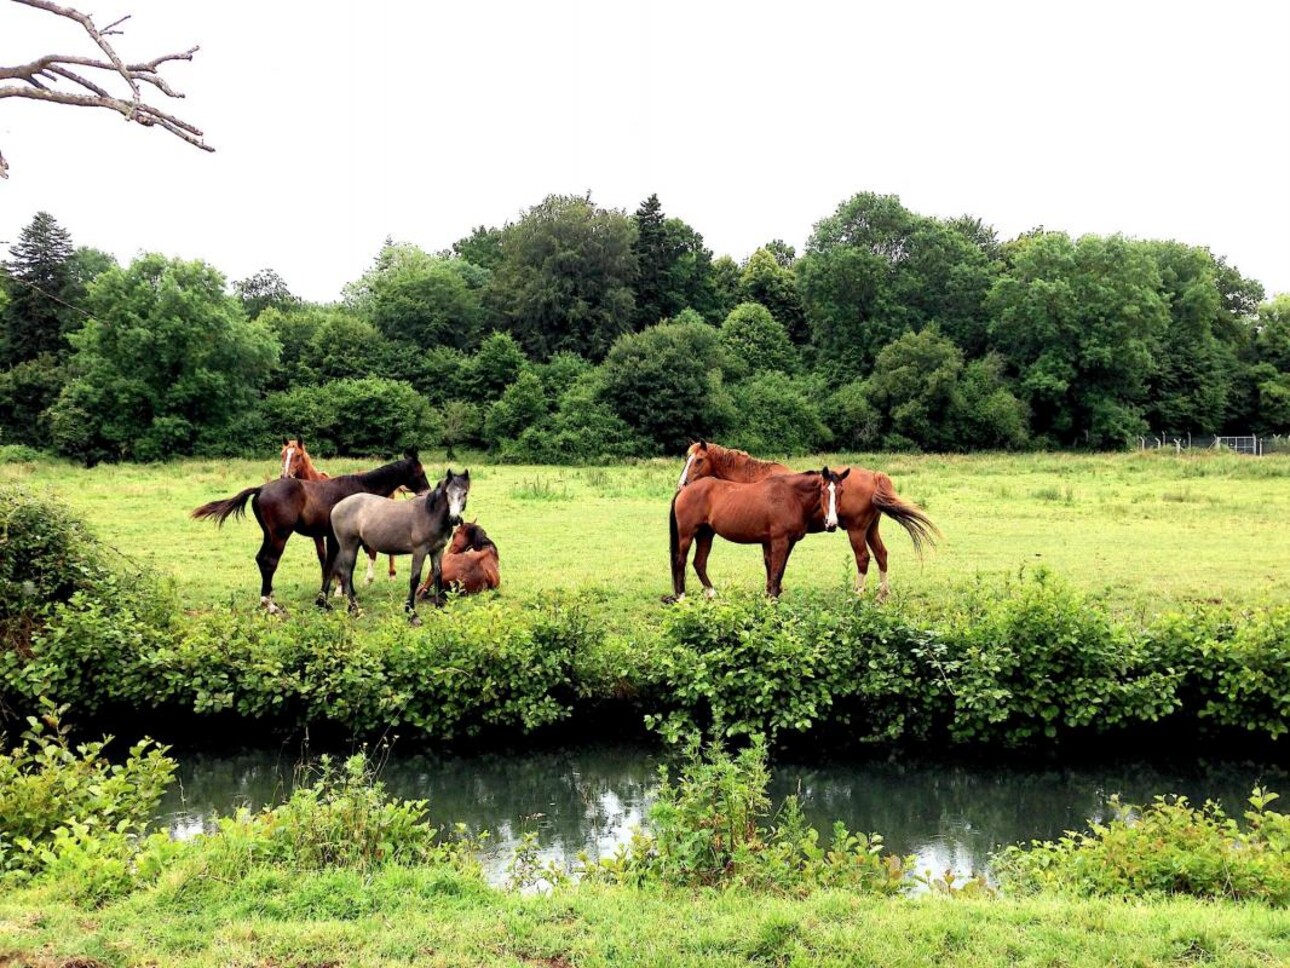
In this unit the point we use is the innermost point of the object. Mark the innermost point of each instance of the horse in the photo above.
(420, 527)
(297, 463)
(470, 563)
(775, 512)
(869, 496)
(287, 505)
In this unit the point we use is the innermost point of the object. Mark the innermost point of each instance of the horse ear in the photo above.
(703, 444)
(466, 474)
(843, 475)
(300, 442)
(411, 453)
(286, 441)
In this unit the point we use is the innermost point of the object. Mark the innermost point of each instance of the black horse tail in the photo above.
(909, 516)
(220, 510)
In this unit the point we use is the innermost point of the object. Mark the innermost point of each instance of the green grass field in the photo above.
(1147, 531)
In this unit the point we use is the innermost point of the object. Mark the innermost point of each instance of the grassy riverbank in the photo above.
(441, 918)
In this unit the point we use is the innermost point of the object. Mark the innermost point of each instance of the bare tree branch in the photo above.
(37, 79)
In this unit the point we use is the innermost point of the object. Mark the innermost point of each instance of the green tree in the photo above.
(520, 406)
(1194, 370)
(915, 386)
(565, 282)
(674, 267)
(497, 364)
(369, 417)
(166, 364)
(483, 248)
(1080, 324)
(27, 390)
(666, 382)
(778, 416)
(752, 335)
(38, 277)
(766, 281)
(874, 270)
(264, 289)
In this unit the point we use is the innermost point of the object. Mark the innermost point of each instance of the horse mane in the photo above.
(377, 478)
(739, 465)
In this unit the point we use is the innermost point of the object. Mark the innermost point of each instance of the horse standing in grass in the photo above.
(420, 527)
(470, 563)
(288, 506)
(775, 512)
(297, 463)
(869, 495)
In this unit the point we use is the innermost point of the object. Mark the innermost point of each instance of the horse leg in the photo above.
(779, 552)
(267, 558)
(418, 562)
(392, 571)
(856, 534)
(328, 572)
(679, 557)
(345, 560)
(880, 552)
(702, 546)
(371, 567)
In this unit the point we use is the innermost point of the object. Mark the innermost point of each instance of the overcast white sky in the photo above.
(339, 124)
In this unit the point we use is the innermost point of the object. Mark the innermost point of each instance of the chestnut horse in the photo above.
(470, 563)
(869, 495)
(775, 512)
(288, 506)
(297, 463)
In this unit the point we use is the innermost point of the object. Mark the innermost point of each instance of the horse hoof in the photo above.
(414, 620)
(321, 602)
(709, 593)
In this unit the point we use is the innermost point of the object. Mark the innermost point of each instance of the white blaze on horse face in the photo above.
(456, 501)
(286, 462)
(831, 520)
(685, 472)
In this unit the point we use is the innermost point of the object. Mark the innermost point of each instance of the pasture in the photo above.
(1143, 531)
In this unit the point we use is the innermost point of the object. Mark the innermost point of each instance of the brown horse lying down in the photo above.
(869, 495)
(775, 513)
(469, 563)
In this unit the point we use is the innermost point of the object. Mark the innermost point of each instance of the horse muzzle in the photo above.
(830, 528)
(454, 519)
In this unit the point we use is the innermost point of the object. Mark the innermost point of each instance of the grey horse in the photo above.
(419, 527)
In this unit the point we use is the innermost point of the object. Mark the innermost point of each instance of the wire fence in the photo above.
(1252, 445)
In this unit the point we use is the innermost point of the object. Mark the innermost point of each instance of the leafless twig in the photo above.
(37, 79)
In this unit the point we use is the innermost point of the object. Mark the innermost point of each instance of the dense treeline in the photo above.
(578, 333)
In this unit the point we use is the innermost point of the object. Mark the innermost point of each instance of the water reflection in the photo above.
(949, 815)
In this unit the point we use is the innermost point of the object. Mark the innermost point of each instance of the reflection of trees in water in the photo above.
(952, 815)
(574, 799)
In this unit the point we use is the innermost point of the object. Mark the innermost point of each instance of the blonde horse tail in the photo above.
(922, 530)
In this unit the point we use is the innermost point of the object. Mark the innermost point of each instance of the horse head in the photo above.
(697, 463)
(416, 480)
(456, 487)
(469, 537)
(294, 457)
(831, 496)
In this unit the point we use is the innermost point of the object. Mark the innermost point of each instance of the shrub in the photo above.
(1168, 847)
(50, 790)
(712, 827)
(360, 418)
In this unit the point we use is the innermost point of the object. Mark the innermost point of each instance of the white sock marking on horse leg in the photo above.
(685, 472)
(883, 588)
(861, 578)
(371, 572)
(710, 592)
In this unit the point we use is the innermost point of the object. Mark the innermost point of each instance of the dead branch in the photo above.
(38, 79)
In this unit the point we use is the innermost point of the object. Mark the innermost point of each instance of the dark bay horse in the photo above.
(297, 462)
(288, 506)
(775, 512)
(420, 527)
(869, 495)
(470, 562)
